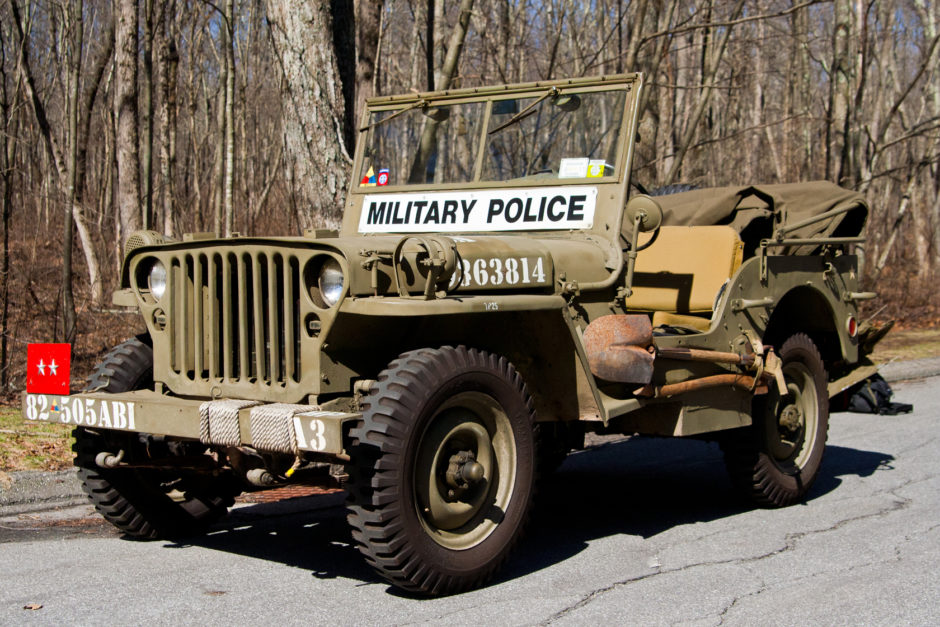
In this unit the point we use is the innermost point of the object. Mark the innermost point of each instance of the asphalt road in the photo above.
(644, 531)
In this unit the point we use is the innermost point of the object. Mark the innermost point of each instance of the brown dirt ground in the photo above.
(910, 343)
(33, 446)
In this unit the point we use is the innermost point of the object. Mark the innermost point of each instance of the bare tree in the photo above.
(313, 129)
(64, 167)
(125, 103)
(228, 184)
(368, 37)
(9, 95)
(710, 68)
(167, 71)
(145, 110)
(445, 76)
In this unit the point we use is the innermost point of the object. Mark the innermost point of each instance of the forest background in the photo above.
(238, 116)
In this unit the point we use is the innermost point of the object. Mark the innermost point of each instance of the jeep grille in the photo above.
(234, 318)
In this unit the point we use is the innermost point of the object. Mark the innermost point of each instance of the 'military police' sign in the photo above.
(546, 208)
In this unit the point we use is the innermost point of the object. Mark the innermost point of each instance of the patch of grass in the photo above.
(33, 445)
(908, 344)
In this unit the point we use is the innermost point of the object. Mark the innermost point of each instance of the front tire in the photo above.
(145, 503)
(774, 462)
(442, 469)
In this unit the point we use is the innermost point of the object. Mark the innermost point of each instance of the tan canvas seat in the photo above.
(682, 272)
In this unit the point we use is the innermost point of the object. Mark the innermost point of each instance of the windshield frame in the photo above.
(485, 135)
(612, 187)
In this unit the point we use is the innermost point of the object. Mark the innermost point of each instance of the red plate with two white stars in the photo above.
(47, 368)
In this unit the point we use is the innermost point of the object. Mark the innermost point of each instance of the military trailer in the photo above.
(500, 286)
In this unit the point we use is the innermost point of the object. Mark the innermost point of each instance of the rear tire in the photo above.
(443, 468)
(774, 462)
(145, 503)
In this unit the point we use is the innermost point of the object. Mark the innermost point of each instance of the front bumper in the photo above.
(268, 427)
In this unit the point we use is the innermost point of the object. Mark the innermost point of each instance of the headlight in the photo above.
(157, 280)
(330, 282)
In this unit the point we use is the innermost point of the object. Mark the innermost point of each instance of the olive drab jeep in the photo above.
(499, 287)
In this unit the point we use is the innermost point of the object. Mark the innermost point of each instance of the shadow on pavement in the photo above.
(645, 486)
(309, 533)
(641, 486)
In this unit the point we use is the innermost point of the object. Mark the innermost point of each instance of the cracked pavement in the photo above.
(640, 531)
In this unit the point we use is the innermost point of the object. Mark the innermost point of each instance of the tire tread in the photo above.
(374, 512)
(752, 472)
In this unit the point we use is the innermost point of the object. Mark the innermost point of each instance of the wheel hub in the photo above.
(791, 418)
(464, 471)
(795, 418)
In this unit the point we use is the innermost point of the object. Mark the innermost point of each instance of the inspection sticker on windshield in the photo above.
(540, 209)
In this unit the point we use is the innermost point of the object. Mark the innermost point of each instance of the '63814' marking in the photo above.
(495, 271)
(88, 412)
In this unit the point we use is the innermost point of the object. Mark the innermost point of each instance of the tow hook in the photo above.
(105, 459)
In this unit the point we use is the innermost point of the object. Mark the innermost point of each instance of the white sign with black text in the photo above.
(540, 209)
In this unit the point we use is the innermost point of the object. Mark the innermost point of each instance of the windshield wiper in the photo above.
(551, 93)
(416, 105)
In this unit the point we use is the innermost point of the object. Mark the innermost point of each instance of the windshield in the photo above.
(541, 137)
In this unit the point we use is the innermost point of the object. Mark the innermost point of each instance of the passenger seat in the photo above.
(679, 276)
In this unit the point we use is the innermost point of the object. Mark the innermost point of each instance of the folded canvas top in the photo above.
(755, 212)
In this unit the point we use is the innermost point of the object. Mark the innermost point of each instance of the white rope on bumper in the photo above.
(218, 421)
(272, 427)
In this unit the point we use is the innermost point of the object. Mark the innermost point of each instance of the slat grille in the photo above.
(235, 317)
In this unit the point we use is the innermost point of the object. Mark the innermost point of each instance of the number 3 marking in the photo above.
(319, 442)
(317, 439)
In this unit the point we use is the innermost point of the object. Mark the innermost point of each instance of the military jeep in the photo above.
(499, 287)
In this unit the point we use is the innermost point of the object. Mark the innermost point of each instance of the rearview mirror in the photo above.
(645, 208)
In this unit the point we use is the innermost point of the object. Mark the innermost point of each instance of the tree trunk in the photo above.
(633, 48)
(218, 169)
(8, 149)
(101, 63)
(839, 87)
(146, 119)
(314, 109)
(414, 56)
(344, 50)
(167, 70)
(447, 73)
(896, 223)
(430, 42)
(73, 13)
(229, 168)
(125, 101)
(368, 29)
